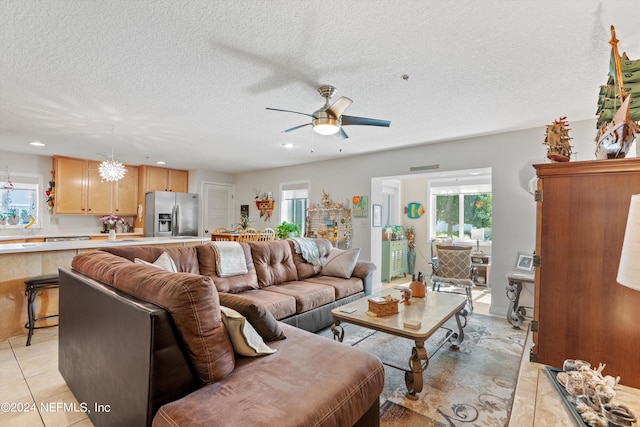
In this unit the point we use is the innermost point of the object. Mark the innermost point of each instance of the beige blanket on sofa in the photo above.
(230, 260)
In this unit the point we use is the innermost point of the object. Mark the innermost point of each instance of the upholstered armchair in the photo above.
(454, 268)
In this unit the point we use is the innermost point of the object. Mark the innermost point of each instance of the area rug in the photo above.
(472, 386)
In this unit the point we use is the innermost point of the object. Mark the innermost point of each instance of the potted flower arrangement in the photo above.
(109, 222)
(287, 230)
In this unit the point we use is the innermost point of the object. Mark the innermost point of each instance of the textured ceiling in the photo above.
(187, 82)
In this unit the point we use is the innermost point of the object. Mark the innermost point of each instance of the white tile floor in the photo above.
(36, 392)
(32, 391)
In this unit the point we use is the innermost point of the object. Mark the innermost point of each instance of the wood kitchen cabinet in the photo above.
(162, 179)
(580, 311)
(152, 178)
(81, 190)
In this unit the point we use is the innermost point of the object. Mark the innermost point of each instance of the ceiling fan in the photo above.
(328, 120)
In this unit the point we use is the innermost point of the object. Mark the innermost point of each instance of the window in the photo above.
(295, 201)
(469, 213)
(461, 211)
(19, 199)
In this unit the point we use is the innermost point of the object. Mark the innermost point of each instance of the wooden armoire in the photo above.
(581, 312)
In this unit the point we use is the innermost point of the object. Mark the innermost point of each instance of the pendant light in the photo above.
(112, 170)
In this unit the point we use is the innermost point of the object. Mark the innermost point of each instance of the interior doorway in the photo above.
(217, 206)
(399, 194)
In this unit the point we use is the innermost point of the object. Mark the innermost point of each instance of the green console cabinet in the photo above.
(394, 259)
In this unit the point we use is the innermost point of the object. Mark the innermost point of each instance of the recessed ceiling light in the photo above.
(475, 173)
(161, 162)
(288, 145)
(37, 144)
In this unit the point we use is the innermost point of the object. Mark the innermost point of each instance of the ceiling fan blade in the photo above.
(363, 121)
(339, 107)
(296, 127)
(342, 134)
(289, 111)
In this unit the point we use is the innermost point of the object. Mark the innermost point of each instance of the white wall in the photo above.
(509, 155)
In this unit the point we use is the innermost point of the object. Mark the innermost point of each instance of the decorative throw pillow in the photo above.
(341, 263)
(244, 338)
(257, 314)
(164, 262)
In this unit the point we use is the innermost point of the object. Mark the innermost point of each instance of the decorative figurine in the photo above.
(406, 296)
(557, 141)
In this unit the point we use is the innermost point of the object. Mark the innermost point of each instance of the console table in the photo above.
(516, 313)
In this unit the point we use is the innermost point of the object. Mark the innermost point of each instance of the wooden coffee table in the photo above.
(432, 311)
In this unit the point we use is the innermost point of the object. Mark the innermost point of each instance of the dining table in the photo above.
(229, 236)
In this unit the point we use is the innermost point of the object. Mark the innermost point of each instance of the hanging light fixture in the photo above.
(111, 170)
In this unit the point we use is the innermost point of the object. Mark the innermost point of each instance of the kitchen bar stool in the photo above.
(32, 286)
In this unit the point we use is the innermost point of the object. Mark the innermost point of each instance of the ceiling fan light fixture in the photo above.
(326, 125)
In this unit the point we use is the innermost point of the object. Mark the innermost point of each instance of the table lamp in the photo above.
(629, 268)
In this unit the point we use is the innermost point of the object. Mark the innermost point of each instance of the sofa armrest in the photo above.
(116, 349)
(364, 270)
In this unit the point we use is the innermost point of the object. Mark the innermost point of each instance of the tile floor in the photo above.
(31, 384)
(32, 391)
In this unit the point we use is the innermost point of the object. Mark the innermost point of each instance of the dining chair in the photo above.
(454, 268)
(267, 234)
(248, 235)
(219, 230)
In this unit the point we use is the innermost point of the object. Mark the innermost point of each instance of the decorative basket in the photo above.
(383, 308)
(265, 205)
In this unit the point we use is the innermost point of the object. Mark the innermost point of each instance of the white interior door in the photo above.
(217, 206)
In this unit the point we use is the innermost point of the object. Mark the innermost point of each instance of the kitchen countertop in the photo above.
(122, 240)
(60, 234)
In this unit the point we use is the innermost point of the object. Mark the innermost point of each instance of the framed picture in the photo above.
(524, 262)
(376, 215)
(360, 206)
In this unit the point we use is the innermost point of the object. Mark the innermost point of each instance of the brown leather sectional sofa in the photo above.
(142, 346)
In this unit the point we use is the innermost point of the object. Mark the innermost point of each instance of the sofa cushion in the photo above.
(100, 265)
(308, 295)
(244, 338)
(342, 287)
(256, 313)
(232, 284)
(273, 261)
(310, 381)
(279, 305)
(306, 269)
(193, 303)
(164, 262)
(184, 257)
(341, 263)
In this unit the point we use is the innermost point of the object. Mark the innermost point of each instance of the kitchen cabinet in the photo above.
(125, 196)
(163, 179)
(81, 190)
(152, 178)
(580, 311)
(394, 259)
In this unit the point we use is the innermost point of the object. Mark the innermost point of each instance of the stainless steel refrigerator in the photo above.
(171, 214)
